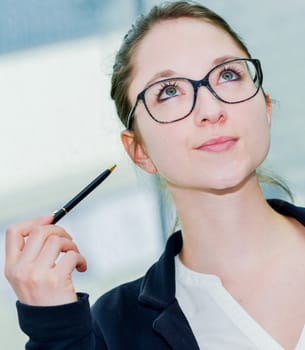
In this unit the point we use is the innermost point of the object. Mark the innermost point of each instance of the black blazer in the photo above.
(143, 314)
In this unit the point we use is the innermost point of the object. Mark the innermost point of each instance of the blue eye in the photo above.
(168, 90)
(228, 75)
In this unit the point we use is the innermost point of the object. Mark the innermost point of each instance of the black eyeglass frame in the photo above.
(196, 85)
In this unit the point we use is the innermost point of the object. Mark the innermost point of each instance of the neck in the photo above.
(227, 232)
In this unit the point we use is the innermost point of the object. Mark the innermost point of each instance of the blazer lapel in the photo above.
(158, 292)
(174, 328)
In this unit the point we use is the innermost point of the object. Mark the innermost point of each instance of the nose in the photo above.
(208, 108)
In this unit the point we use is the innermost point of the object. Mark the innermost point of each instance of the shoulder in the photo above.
(139, 302)
(156, 287)
(288, 209)
(121, 311)
(125, 295)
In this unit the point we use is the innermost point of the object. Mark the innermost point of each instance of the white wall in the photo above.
(59, 130)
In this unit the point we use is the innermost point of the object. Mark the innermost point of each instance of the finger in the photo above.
(37, 239)
(69, 262)
(52, 249)
(15, 235)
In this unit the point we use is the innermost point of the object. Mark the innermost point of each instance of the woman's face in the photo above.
(218, 145)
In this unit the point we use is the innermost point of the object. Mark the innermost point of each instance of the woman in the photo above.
(191, 98)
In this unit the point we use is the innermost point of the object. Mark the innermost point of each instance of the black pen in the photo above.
(81, 195)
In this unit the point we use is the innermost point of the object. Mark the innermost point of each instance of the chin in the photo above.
(231, 184)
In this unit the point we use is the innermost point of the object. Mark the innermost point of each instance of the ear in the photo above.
(269, 107)
(137, 151)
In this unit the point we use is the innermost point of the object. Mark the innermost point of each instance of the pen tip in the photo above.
(112, 168)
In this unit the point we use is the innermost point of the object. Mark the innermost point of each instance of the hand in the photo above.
(34, 267)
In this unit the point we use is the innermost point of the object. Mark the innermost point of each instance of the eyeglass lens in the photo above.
(173, 99)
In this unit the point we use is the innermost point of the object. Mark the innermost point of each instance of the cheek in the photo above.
(164, 144)
(162, 147)
(258, 132)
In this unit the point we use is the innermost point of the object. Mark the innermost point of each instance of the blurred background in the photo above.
(59, 128)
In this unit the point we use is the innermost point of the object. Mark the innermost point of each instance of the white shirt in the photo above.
(217, 320)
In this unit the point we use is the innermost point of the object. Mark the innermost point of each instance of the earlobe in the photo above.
(137, 152)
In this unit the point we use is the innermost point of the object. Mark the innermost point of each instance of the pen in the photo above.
(58, 214)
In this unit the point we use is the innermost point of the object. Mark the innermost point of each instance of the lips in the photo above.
(218, 144)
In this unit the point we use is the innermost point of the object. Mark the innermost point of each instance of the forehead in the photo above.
(185, 46)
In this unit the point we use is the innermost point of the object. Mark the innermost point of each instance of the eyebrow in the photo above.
(167, 73)
(160, 75)
(222, 59)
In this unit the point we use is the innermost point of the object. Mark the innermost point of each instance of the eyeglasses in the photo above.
(173, 99)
